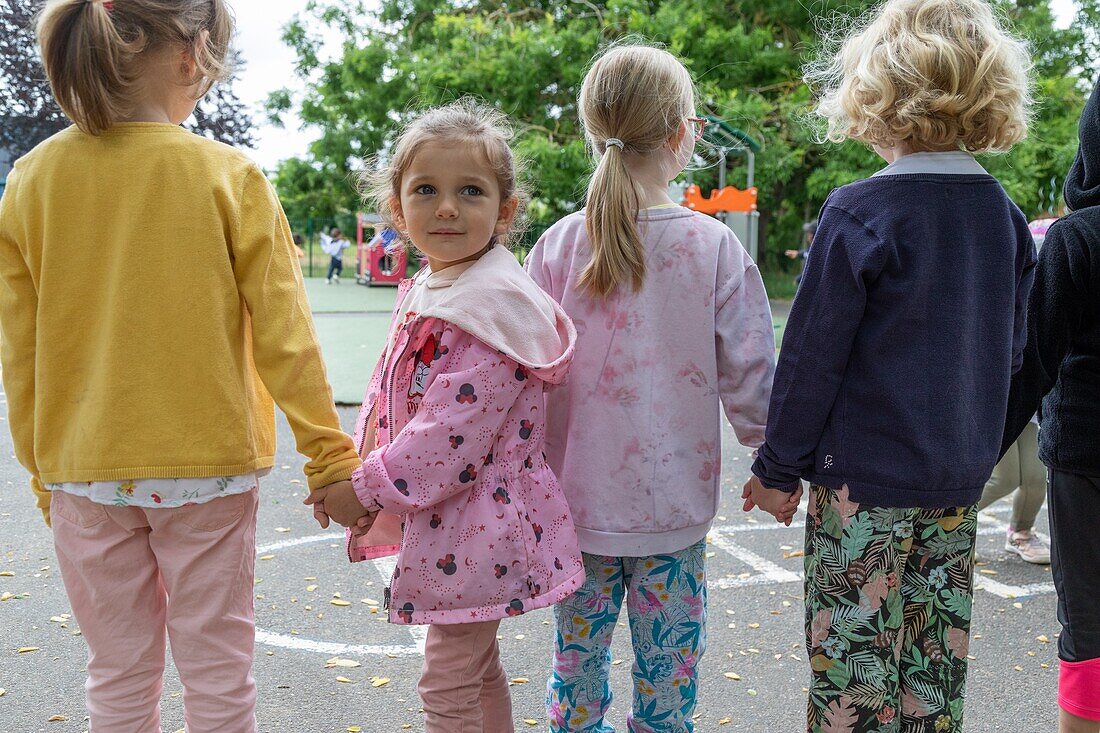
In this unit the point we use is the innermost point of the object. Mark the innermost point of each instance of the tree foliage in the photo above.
(528, 57)
(28, 113)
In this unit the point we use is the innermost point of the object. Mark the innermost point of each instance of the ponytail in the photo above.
(85, 59)
(618, 254)
(633, 100)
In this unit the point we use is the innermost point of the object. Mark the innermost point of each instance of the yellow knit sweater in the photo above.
(151, 304)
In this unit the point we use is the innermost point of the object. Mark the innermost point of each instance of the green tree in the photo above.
(528, 58)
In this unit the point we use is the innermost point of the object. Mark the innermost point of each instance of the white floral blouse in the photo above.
(160, 493)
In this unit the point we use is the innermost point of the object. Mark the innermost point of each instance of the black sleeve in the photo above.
(1054, 313)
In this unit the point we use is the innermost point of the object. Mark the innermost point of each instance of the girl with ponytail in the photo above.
(151, 311)
(672, 318)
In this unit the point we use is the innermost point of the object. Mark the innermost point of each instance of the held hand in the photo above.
(780, 504)
(317, 499)
(360, 528)
(792, 253)
(341, 503)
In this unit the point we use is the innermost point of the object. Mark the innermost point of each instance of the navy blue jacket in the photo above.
(901, 343)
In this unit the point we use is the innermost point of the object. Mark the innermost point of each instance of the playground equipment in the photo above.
(733, 206)
(375, 263)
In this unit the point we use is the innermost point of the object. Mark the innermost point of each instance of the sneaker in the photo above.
(1029, 547)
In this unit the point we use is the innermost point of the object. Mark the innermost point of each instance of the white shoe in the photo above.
(328, 281)
(1029, 547)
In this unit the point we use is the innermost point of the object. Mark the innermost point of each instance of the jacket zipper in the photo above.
(386, 592)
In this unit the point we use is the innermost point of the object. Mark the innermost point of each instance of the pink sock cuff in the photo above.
(1079, 688)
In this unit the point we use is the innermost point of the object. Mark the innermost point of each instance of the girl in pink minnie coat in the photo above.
(452, 429)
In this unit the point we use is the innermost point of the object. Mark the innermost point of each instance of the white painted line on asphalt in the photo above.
(284, 641)
(332, 536)
(767, 569)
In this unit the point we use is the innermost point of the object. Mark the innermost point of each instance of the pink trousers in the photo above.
(463, 687)
(133, 574)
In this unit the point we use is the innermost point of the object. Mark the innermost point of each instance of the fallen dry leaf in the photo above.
(27, 649)
(6, 574)
(338, 662)
(725, 721)
(732, 676)
(1018, 668)
(1042, 639)
(340, 602)
(379, 681)
(7, 596)
(530, 721)
(754, 626)
(267, 557)
(354, 729)
(56, 719)
(282, 529)
(342, 679)
(3, 692)
(311, 588)
(520, 680)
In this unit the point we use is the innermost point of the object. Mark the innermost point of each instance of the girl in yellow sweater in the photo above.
(152, 309)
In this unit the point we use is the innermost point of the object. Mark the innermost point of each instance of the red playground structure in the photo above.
(379, 261)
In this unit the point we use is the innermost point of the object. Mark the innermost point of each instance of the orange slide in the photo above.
(728, 199)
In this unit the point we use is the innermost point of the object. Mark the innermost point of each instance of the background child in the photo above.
(453, 424)
(1021, 471)
(672, 315)
(334, 244)
(1062, 360)
(893, 379)
(139, 368)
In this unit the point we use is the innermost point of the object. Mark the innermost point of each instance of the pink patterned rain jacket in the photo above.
(457, 412)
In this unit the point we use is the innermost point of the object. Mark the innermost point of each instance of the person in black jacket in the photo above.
(1061, 371)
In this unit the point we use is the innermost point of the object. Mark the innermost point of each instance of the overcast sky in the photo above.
(270, 66)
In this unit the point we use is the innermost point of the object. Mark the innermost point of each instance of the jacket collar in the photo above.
(950, 163)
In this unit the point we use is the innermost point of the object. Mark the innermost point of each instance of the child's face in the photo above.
(450, 203)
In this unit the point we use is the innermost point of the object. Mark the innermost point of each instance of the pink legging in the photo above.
(133, 574)
(463, 687)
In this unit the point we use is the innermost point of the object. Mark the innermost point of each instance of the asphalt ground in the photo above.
(328, 668)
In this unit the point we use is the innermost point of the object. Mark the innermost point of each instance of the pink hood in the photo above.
(496, 301)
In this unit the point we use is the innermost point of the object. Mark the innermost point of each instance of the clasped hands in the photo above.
(780, 504)
(338, 502)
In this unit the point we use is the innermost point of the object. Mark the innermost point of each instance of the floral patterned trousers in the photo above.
(888, 601)
(666, 599)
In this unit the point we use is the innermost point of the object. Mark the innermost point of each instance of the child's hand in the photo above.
(317, 499)
(338, 501)
(360, 528)
(780, 504)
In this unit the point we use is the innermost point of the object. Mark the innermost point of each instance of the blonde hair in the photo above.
(940, 73)
(465, 122)
(637, 96)
(94, 50)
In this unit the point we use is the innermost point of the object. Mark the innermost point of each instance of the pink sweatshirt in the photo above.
(634, 433)
(478, 519)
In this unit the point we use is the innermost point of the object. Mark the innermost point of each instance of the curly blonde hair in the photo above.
(937, 73)
(465, 121)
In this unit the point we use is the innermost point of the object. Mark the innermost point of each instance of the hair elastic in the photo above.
(108, 5)
(613, 142)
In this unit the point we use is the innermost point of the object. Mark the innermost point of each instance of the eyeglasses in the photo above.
(700, 125)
